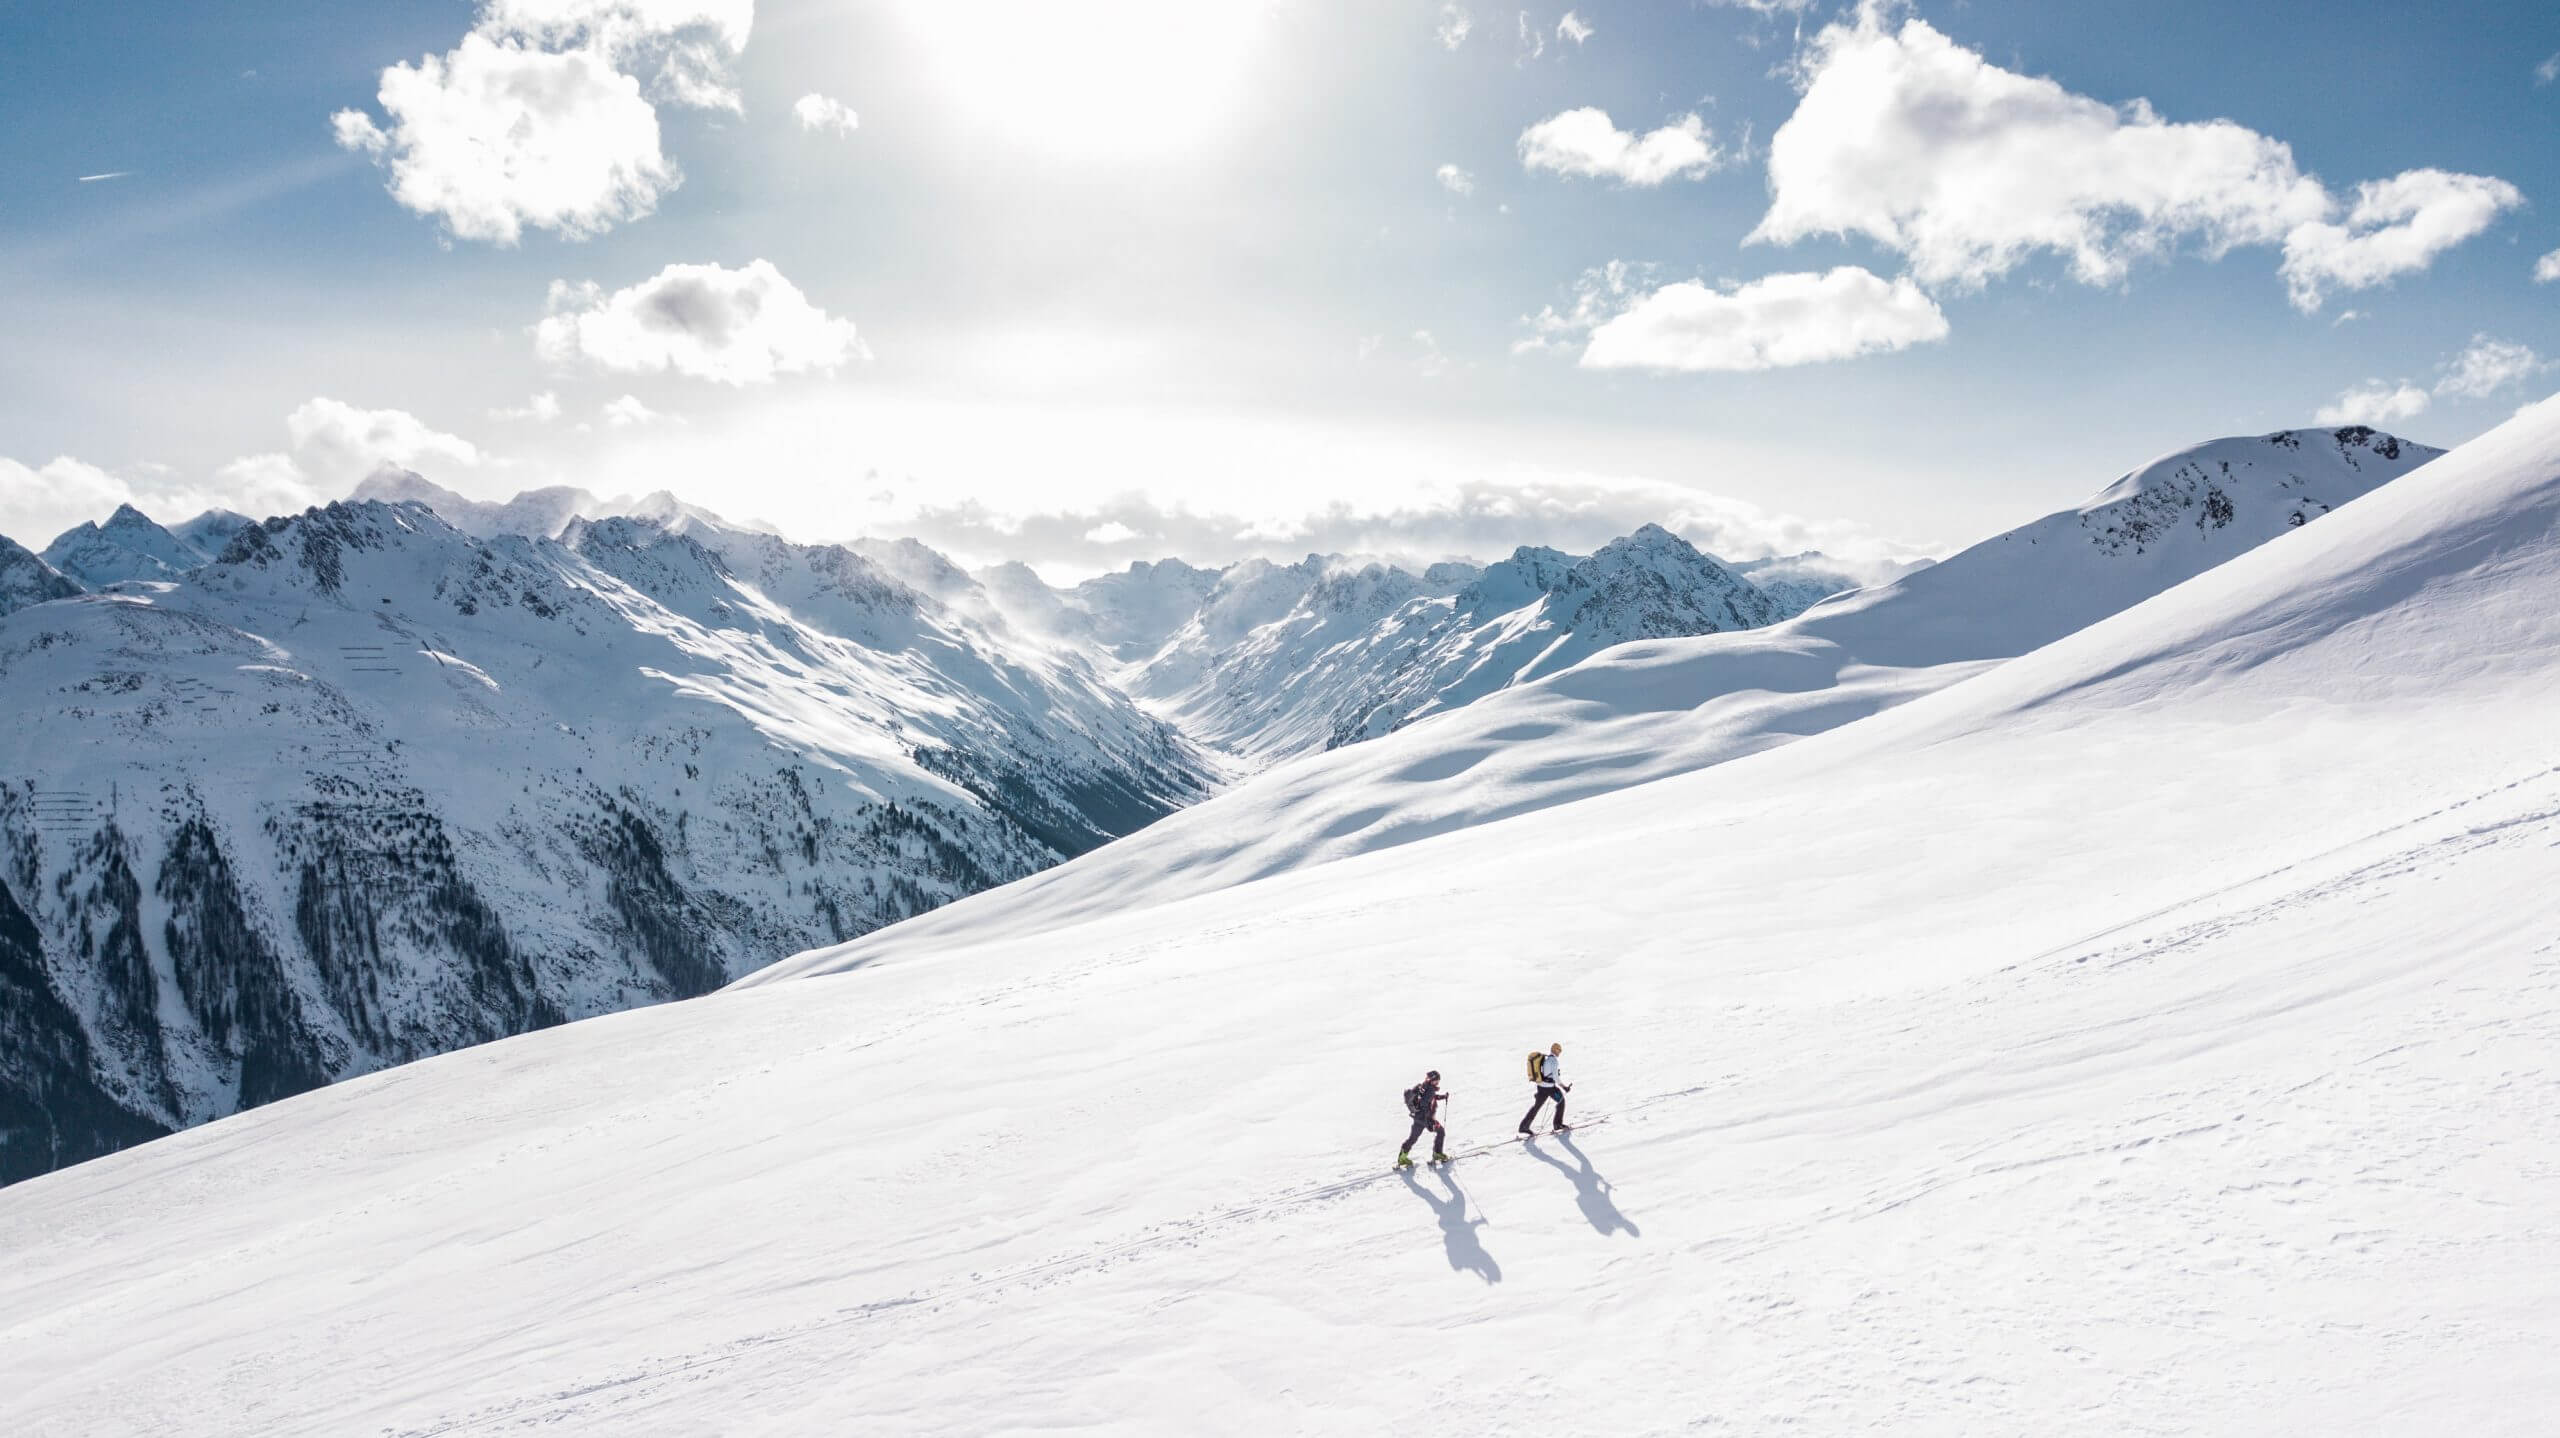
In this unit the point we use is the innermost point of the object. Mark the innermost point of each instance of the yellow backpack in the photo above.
(1537, 1067)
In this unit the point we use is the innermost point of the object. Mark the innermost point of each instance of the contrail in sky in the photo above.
(109, 175)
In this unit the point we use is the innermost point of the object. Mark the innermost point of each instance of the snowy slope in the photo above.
(1645, 711)
(368, 788)
(2151, 1035)
(26, 579)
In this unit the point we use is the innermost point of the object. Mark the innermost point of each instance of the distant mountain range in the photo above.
(1264, 660)
(289, 800)
(1642, 712)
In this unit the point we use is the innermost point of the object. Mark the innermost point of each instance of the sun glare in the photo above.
(1113, 79)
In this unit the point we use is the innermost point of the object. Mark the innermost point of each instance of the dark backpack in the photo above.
(1417, 1101)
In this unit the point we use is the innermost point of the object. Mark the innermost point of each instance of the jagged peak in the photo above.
(391, 484)
(1649, 541)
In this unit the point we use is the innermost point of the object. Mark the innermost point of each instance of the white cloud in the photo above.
(628, 412)
(261, 485)
(1428, 361)
(2374, 402)
(1455, 24)
(1110, 532)
(540, 116)
(739, 327)
(1766, 7)
(2484, 367)
(1455, 180)
(336, 443)
(2547, 269)
(2487, 366)
(1586, 142)
(1573, 27)
(684, 46)
(817, 112)
(2396, 227)
(1968, 170)
(36, 504)
(1770, 323)
(1533, 41)
(2547, 71)
(542, 408)
(497, 136)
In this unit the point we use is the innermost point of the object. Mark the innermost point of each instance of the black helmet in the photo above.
(1434, 1075)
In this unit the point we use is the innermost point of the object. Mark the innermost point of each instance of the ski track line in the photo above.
(2280, 870)
(1188, 1231)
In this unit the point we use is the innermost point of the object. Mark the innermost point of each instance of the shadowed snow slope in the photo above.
(2152, 1035)
(1645, 711)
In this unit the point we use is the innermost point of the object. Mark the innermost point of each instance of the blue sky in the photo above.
(1087, 283)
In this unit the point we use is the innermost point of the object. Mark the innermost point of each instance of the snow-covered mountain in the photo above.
(534, 514)
(130, 545)
(26, 579)
(1281, 660)
(368, 788)
(1263, 660)
(2150, 1033)
(1797, 582)
(1646, 711)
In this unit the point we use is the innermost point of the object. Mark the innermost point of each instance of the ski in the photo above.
(1495, 1147)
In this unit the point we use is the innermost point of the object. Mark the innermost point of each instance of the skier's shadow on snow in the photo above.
(1590, 1190)
(1457, 1231)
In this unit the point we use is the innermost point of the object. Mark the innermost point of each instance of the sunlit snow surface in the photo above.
(1647, 711)
(2154, 1034)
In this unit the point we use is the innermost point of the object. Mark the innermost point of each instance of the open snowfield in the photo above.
(2154, 1034)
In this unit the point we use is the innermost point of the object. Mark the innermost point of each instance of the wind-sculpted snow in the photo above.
(1640, 712)
(2150, 1034)
(366, 789)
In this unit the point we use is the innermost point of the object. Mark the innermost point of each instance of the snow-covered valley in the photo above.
(2152, 1032)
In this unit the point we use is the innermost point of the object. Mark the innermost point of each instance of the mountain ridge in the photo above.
(397, 789)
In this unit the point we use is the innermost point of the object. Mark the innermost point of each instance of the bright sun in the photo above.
(1107, 79)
